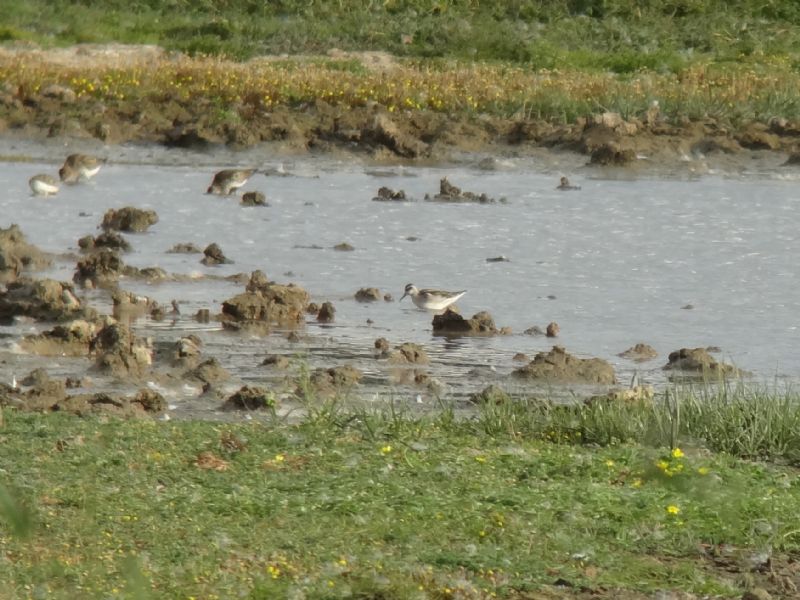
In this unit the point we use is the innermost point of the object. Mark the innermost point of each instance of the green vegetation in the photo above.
(617, 35)
(351, 503)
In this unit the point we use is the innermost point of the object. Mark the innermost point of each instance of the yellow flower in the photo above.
(703, 470)
(663, 465)
(609, 463)
(279, 458)
(637, 483)
(677, 453)
(673, 510)
(386, 449)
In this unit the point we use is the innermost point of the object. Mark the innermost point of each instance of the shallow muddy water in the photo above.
(673, 262)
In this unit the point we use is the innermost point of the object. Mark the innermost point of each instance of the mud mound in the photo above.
(491, 395)
(559, 366)
(108, 239)
(386, 194)
(267, 302)
(209, 372)
(697, 361)
(250, 398)
(100, 268)
(253, 199)
(185, 248)
(41, 299)
(17, 254)
(335, 378)
(452, 323)
(368, 294)
(640, 394)
(408, 354)
(145, 402)
(327, 313)
(130, 219)
(450, 193)
(213, 255)
(119, 353)
(639, 353)
(70, 339)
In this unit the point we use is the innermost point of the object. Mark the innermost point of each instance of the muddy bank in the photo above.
(414, 135)
(172, 118)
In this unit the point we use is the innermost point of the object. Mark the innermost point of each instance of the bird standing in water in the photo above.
(431, 299)
(80, 167)
(228, 181)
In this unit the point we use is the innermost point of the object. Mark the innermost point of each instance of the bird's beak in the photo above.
(403, 296)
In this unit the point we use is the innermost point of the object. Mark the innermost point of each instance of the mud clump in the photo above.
(109, 239)
(326, 313)
(144, 403)
(276, 361)
(50, 395)
(640, 394)
(16, 254)
(213, 255)
(253, 199)
(41, 299)
(100, 268)
(118, 352)
(186, 352)
(491, 395)
(698, 361)
(639, 353)
(258, 282)
(552, 330)
(130, 219)
(452, 323)
(562, 367)
(344, 247)
(369, 294)
(250, 398)
(335, 378)
(386, 194)
(408, 354)
(185, 248)
(70, 339)
(382, 346)
(208, 372)
(128, 304)
(450, 193)
(267, 302)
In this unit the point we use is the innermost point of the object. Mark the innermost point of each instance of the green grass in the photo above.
(373, 505)
(620, 35)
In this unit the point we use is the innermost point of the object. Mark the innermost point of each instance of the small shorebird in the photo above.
(431, 299)
(43, 185)
(80, 167)
(565, 185)
(228, 181)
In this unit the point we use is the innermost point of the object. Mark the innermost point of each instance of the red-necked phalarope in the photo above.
(432, 299)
